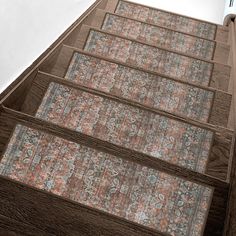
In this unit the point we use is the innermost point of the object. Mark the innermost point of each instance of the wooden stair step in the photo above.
(181, 23)
(145, 123)
(170, 20)
(11, 227)
(150, 89)
(34, 146)
(92, 178)
(156, 92)
(162, 37)
(126, 126)
(147, 57)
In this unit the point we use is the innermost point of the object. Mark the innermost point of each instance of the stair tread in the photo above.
(167, 19)
(148, 89)
(92, 177)
(149, 57)
(158, 36)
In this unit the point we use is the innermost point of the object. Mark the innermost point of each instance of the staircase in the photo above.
(123, 128)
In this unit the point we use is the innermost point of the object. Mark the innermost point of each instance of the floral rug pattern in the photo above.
(166, 19)
(148, 89)
(158, 36)
(149, 58)
(168, 139)
(112, 184)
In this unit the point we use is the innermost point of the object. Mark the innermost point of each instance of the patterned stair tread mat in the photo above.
(158, 36)
(148, 89)
(109, 183)
(168, 139)
(167, 19)
(149, 58)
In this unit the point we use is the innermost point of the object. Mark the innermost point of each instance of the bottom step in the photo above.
(137, 193)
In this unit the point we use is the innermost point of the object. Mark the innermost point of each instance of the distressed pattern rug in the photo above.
(150, 58)
(158, 36)
(166, 19)
(120, 187)
(168, 139)
(148, 89)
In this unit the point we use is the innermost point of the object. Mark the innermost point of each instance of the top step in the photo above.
(171, 20)
(162, 37)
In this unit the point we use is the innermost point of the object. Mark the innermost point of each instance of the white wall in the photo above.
(28, 27)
